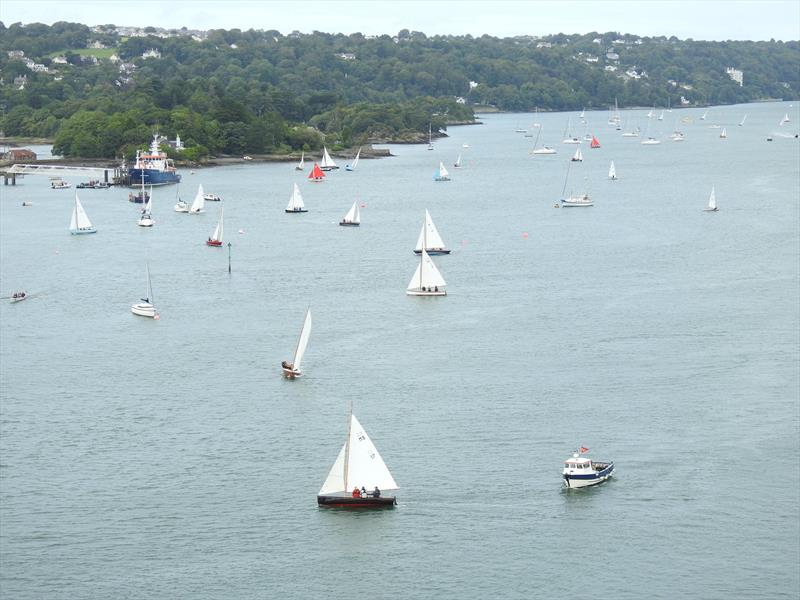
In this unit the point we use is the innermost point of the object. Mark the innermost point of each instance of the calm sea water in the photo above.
(170, 459)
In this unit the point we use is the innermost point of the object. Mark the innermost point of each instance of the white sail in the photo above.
(353, 215)
(199, 201)
(302, 342)
(426, 275)
(442, 171)
(785, 119)
(457, 164)
(295, 200)
(578, 156)
(612, 172)
(302, 164)
(724, 133)
(365, 467)
(355, 161)
(218, 232)
(661, 116)
(327, 161)
(712, 201)
(429, 233)
(744, 118)
(79, 220)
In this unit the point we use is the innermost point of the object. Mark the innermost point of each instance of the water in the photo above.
(169, 458)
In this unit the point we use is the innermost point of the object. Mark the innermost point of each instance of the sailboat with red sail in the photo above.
(595, 143)
(316, 173)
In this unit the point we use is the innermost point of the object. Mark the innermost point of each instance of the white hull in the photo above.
(581, 483)
(144, 310)
(544, 151)
(710, 209)
(181, 208)
(425, 293)
(145, 223)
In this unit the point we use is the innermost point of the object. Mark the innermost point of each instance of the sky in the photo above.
(696, 19)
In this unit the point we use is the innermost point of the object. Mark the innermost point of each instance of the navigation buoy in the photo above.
(157, 317)
(525, 235)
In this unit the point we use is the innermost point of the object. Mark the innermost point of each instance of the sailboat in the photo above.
(443, 174)
(291, 370)
(595, 143)
(712, 202)
(582, 116)
(427, 280)
(535, 118)
(650, 140)
(457, 164)
(615, 116)
(430, 139)
(573, 200)
(355, 161)
(301, 166)
(216, 238)
(146, 218)
(80, 224)
(360, 466)
(316, 173)
(578, 157)
(661, 116)
(544, 149)
(296, 202)
(612, 172)
(785, 119)
(327, 164)
(199, 203)
(650, 114)
(705, 114)
(723, 134)
(353, 216)
(429, 236)
(146, 308)
(180, 205)
(568, 137)
(741, 123)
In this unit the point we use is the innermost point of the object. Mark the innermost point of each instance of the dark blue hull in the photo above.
(153, 177)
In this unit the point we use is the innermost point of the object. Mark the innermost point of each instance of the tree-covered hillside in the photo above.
(101, 91)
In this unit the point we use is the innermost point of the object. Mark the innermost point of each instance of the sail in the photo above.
(316, 172)
(595, 142)
(442, 171)
(217, 237)
(426, 275)
(80, 220)
(712, 200)
(430, 234)
(352, 215)
(365, 467)
(744, 118)
(578, 156)
(302, 342)
(612, 172)
(295, 200)
(199, 202)
(302, 164)
(327, 161)
(458, 161)
(355, 161)
(149, 292)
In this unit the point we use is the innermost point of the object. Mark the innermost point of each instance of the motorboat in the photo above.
(580, 471)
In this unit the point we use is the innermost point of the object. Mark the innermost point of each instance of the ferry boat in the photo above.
(580, 471)
(153, 167)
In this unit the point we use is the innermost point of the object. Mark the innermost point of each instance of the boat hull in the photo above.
(214, 243)
(14, 300)
(152, 177)
(710, 209)
(425, 293)
(441, 179)
(295, 210)
(85, 231)
(144, 310)
(350, 502)
(181, 209)
(579, 481)
(291, 373)
(432, 252)
(145, 223)
(346, 224)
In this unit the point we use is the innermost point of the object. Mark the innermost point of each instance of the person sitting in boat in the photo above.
(376, 493)
(287, 365)
(363, 492)
(356, 492)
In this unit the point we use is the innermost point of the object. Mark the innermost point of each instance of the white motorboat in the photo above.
(580, 471)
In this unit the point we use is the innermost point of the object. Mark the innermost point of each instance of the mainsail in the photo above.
(430, 234)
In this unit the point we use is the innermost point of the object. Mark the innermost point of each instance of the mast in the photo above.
(565, 180)
(422, 254)
(347, 445)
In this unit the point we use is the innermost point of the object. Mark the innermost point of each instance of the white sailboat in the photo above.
(724, 133)
(649, 140)
(427, 280)
(146, 308)
(80, 224)
(355, 161)
(712, 202)
(430, 237)
(216, 237)
(785, 119)
(612, 172)
(443, 174)
(544, 149)
(430, 138)
(327, 163)
(301, 166)
(582, 116)
(705, 114)
(572, 199)
(569, 138)
(578, 157)
(199, 203)
(353, 216)
(661, 116)
(457, 164)
(146, 218)
(295, 202)
(615, 118)
(180, 205)
(360, 466)
(741, 123)
(291, 370)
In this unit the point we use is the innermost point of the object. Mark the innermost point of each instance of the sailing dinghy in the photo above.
(146, 308)
(316, 173)
(427, 280)
(216, 238)
(353, 216)
(291, 370)
(199, 203)
(612, 172)
(327, 164)
(457, 164)
(578, 157)
(429, 236)
(358, 466)
(712, 202)
(443, 174)
(295, 202)
(301, 166)
(79, 223)
(355, 162)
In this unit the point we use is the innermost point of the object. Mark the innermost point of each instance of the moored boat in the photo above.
(580, 471)
(153, 167)
(146, 308)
